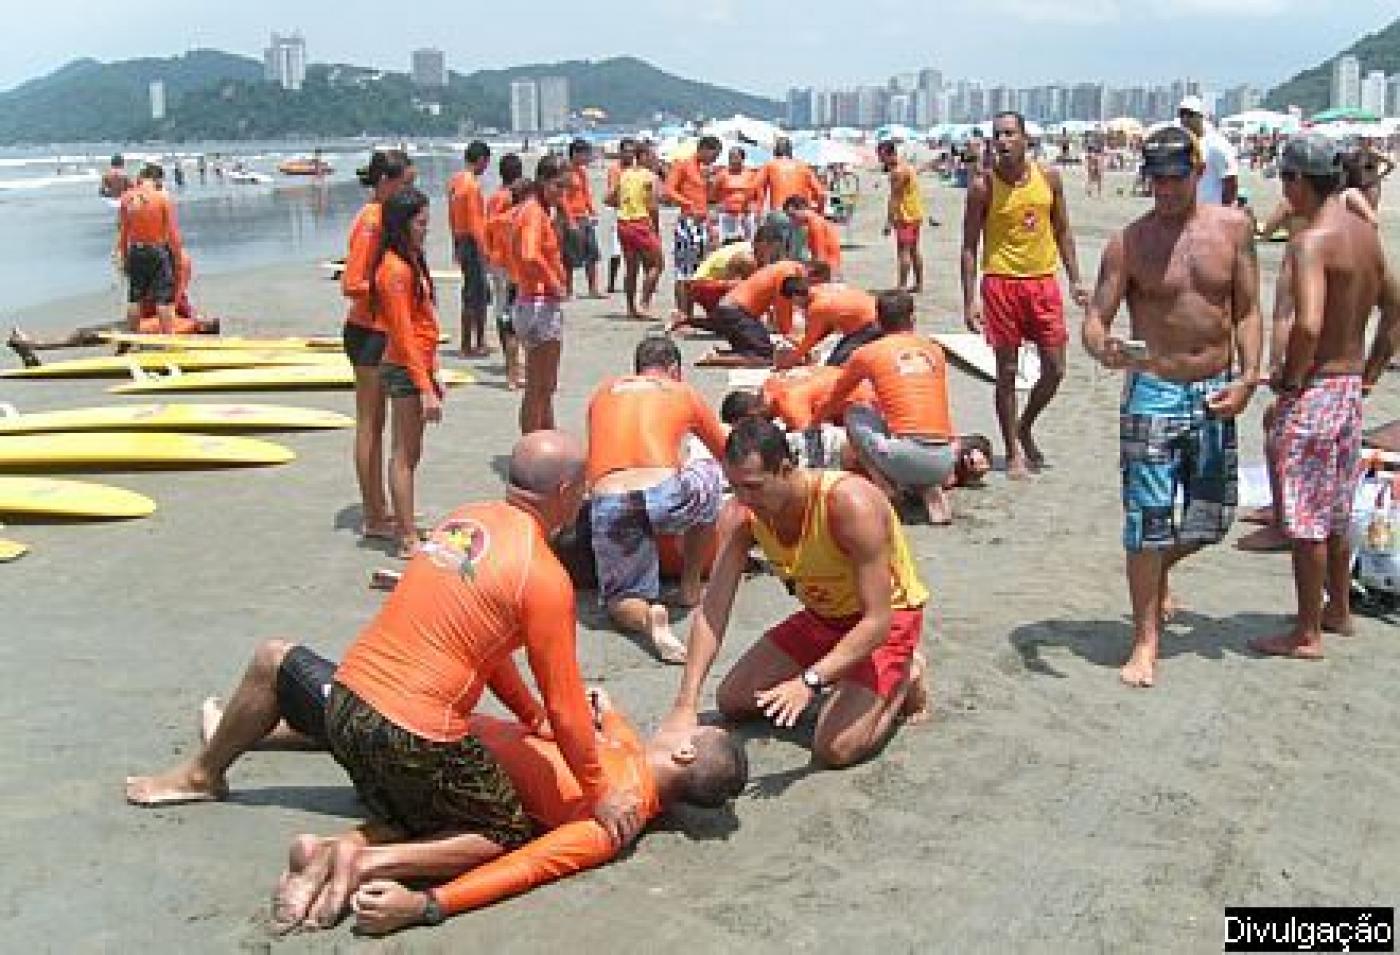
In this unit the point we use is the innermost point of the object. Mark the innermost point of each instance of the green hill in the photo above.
(213, 95)
(1312, 89)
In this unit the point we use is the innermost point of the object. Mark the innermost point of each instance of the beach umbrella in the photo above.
(828, 152)
(897, 132)
(846, 134)
(1126, 125)
(1034, 130)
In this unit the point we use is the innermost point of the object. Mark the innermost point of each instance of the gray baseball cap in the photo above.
(1311, 155)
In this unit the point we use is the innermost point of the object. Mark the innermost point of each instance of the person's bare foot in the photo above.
(940, 514)
(916, 708)
(384, 529)
(1258, 515)
(1141, 668)
(1264, 540)
(299, 886)
(1341, 624)
(668, 648)
(1035, 458)
(1289, 644)
(1016, 469)
(333, 901)
(408, 546)
(186, 783)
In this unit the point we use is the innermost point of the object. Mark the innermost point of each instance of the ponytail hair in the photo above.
(398, 214)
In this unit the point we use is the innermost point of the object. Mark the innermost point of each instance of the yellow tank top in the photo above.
(910, 204)
(1019, 240)
(634, 193)
(822, 576)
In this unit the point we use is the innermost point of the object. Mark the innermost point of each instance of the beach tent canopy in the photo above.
(745, 129)
(1261, 121)
(847, 134)
(1351, 114)
(897, 132)
(1126, 125)
(828, 152)
(676, 148)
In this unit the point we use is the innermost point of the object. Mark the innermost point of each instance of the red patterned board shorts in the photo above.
(1017, 310)
(1317, 451)
(806, 638)
(906, 234)
(636, 236)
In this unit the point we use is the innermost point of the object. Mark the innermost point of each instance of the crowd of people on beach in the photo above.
(819, 467)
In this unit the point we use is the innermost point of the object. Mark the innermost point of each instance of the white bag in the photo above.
(1375, 533)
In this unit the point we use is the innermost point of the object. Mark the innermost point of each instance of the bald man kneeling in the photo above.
(397, 710)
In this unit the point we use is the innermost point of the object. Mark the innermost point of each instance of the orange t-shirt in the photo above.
(640, 421)
(359, 259)
(410, 320)
(834, 307)
(466, 213)
(823, 238)
(784, 178)
(574, 841)
(910, 378)
(759, 292)
(736, 192)
(686, 186)
(798, 395)
(539, 268)
(484, 584)
(146, 216)
(578, 197)
(496, 233)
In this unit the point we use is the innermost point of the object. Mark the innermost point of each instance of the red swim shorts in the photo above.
(637, 237)
(806, 638)
(707, 292)
(906, 234)
(1017, 310)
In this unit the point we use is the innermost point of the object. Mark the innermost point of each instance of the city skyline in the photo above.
(1255, 42)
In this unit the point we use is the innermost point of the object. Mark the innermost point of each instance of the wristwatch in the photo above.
(813, 680)
(432, 912)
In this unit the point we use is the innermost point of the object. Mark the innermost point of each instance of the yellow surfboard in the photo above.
(11, 550)
(49, 497)
(172, 417)
(106, 366)
(261, 379)
(223, 342)
(116, 449)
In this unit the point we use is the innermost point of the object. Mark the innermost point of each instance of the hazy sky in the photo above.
(762, 46)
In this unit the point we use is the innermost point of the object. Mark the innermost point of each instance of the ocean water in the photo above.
(56, 233)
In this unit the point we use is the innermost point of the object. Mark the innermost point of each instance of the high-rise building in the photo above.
(899, 108)
(799, 108)
(1087, 102)
(925, 103)
(1346, 82)
(823, 109)
(904, 82)
(1373, 92)
(1392, 95)
(553, 103)
(870, 107)
(524, 107)
(931, 80)
(284, 61)
(157, 99)
(429, 69)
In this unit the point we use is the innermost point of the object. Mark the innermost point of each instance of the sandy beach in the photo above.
(1044, 808)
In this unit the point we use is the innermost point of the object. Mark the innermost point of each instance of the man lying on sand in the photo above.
(1191, 280)
(833, 538)
(282, 701)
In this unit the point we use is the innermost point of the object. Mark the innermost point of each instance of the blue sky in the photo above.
(759, 45)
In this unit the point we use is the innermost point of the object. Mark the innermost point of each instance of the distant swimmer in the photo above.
(1189, 273)
(149, 245)
(363, 336)
(852, 650)
(115, 180)
(407, 304)
(580, 218)
(539, 311)
(643, 484)
(399, 712)
(1018, 215)
(1321, 368)
(636, 197)
(466, 218)
(904, 216)
(904, 438)
(688, 186)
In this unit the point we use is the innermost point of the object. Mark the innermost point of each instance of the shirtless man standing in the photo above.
(1191, 280)
(1338, 275)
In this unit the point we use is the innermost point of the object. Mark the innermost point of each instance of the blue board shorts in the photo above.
(1180, 466)
(625, 526)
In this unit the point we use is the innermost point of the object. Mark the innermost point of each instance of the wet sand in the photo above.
(1044, 807)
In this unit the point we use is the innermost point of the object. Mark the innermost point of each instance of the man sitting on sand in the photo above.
(281, 702)
(1339, 275)
(637, 425)
(1191, 280)
(739, 317)
(484, 584)
(834, 540)
(831, 307)
(722, 270)
(904, 441)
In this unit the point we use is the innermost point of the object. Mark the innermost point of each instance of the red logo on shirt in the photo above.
(459, 545)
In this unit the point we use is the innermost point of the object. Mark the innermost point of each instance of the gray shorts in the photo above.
(538, 321)
(908, 463)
